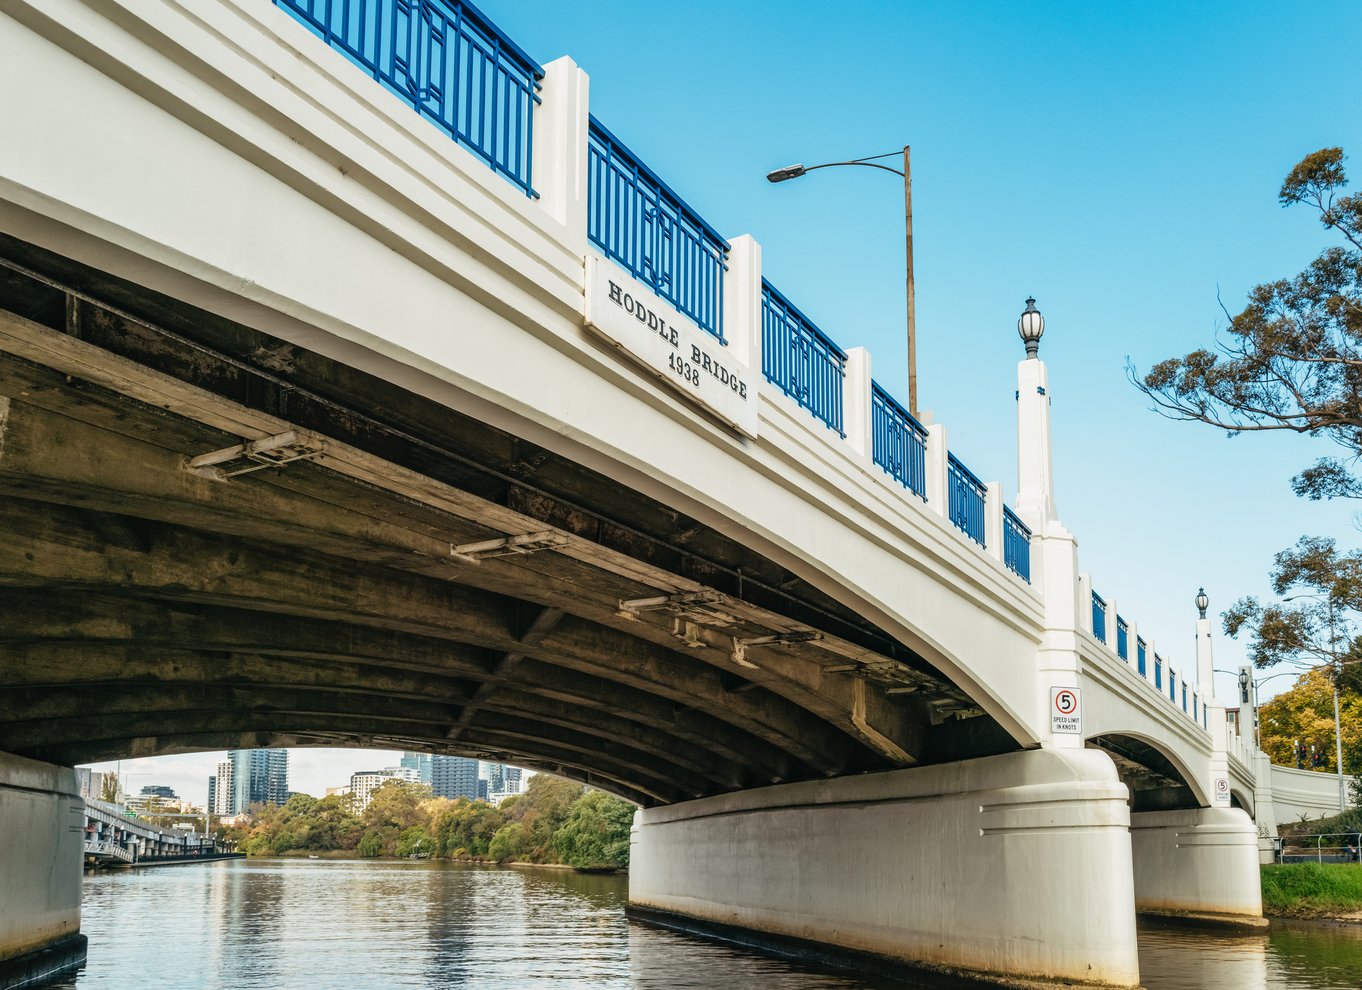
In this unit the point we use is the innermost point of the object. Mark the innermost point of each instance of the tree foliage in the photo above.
(596, 833)
(1304, 716)
(1291, 359)
(1316, 623)
(403, 819)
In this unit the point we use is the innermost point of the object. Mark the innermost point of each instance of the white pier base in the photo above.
(1200, 864)
(1015, 866)
(42, 820)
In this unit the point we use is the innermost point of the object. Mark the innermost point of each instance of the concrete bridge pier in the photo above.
(1013, 866)
(42, 819)
(1198, 864)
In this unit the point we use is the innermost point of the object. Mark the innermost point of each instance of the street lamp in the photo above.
(1030, 327)
(1202, 602)
(795, 171)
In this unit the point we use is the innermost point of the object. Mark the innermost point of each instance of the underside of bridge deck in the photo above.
(412, 578)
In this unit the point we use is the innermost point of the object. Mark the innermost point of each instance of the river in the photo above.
(348, 924)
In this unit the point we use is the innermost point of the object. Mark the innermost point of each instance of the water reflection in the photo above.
(355, 924)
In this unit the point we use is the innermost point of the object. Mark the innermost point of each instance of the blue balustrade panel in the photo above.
(1184, 696)
(966, 496)
(448, 62)
(898, 442)
(638, 221)
(1016, 545)
(801, 359)
(1196, 715)
(1099, 617)
(1141, 662)
(1173, 685)
(1122, 639)
(1158, 671)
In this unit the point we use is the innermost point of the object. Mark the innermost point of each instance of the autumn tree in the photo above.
(1304, 716)
(1291, 359)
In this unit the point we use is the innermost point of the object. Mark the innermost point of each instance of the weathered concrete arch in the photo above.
(300, 604)
(1160, 778)
(1242, 800)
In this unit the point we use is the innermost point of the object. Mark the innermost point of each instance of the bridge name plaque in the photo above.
(653, 334)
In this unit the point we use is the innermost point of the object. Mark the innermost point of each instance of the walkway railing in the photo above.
(1122, 639)
(800, 358)
(898, 442)
(1016, 545)
(446, 61)
(966, 499)
(636, 220)
(1099, 617)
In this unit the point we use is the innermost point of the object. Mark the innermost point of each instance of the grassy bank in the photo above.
(1313, 890)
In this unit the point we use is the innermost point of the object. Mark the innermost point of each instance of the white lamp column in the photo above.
(1057, 580)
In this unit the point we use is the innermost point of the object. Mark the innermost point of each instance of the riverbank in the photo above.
(350, 854)
(1313, 891)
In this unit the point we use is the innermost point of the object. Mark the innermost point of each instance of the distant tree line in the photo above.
(554, 821)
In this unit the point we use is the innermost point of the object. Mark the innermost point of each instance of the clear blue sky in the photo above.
(1118, 161)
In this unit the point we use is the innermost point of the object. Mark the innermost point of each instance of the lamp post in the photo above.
(795, 171)
(1030, 327)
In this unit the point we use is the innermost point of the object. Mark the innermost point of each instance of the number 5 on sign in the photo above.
(1066, 710)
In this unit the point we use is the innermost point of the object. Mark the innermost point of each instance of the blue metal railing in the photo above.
(448, 62)
(965, 499)
(898, 442)
(1141, 663)
(1158, 672)
(637, 220)
(800, 358)
(1184, 696)
(1016, 545)
(1122, 639)
(1099, 617)
(1173, 685)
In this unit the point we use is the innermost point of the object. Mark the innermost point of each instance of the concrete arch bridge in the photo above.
(345, 404)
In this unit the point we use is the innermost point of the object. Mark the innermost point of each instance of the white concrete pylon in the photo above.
(1205, 674)
(1035, 470)
(1057, 661)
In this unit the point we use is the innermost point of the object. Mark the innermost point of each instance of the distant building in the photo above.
(223, 793)
(259, 776)
(212, 793)
(422, 763)
(365, 782)
(341, 791)
(503, 782)
(91, 783)
(160, 791)
(500, 782)
(454, 777)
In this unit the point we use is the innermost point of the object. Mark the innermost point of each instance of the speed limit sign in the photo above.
(1222, 790)
(1066, 710)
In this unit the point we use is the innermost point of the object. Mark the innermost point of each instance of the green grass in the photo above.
(1312, 890)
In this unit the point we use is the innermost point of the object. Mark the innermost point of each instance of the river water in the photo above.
(351, 924)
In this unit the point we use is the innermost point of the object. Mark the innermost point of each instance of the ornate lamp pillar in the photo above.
(1054, 551)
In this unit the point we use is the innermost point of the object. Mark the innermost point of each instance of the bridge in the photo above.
(359, 387)
(111, 836)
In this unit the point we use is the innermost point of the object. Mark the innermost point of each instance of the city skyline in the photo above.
(311, 770)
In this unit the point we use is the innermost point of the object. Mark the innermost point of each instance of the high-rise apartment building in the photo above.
(259, 776)
(363, 783)
(223, 792)
(421, 763)
(454, 777)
